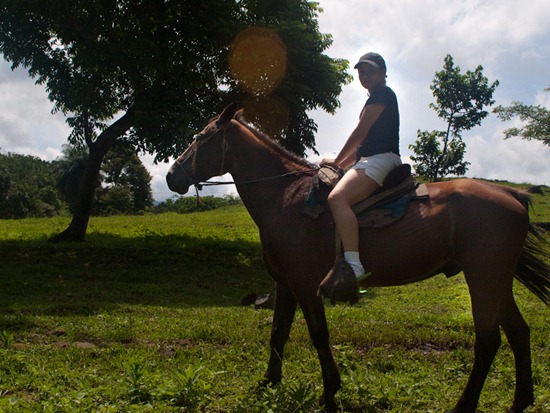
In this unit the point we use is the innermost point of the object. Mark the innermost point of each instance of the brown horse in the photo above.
(465, 225)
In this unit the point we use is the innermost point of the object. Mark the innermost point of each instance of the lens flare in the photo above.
(269, 113)
(257, 60)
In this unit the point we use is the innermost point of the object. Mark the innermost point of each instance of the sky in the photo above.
(510, 39)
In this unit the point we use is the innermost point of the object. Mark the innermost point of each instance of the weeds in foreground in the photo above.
(136, 373)
(191, 388)
(7, 338)
(291, 398)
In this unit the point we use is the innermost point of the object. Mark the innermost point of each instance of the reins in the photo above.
(254, 181)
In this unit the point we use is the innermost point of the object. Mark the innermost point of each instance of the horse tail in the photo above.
(522, 196)
(533, 270)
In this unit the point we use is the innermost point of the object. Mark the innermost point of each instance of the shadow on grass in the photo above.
(107, 271)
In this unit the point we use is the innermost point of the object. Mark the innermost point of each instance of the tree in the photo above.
(127, 182)
(27, 187)
(429, 156)
(537, 120)
(151, 72)
(460, 101)
(70, 167)
(5, 182)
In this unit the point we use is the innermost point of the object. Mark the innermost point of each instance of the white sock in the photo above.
(352, 258)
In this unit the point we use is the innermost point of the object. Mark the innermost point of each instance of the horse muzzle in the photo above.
(177, 183)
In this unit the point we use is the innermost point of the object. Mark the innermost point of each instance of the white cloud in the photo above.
(26, 123)
(493, 159)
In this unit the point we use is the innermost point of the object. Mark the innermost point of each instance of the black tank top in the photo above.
(384, 133)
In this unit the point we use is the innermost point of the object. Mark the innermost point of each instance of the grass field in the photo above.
(146, 316)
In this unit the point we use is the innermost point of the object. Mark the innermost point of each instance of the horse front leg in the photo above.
(285, 308)
(314, 313)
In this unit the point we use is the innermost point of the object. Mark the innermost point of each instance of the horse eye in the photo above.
(201, 136)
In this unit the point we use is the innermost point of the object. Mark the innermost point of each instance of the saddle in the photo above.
(383, 208)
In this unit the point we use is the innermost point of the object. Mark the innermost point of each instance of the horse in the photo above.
(479, 228)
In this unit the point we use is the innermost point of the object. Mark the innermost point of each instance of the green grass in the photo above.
(145, 316)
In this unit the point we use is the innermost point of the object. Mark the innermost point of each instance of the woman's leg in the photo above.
(352, 188)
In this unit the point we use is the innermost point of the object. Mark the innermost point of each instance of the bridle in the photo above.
(198, 138)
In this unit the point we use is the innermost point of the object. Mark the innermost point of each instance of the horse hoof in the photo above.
(519, 407)
(264, 384)
(328, 406)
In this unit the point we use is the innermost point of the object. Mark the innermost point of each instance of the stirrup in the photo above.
(340, 284)
(363, 277)
(362, 291)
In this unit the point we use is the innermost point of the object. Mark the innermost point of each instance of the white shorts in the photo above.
(378, 166)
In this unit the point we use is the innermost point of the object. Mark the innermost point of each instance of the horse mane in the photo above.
(271, 143)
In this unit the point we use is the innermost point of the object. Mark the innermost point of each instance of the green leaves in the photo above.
(459, 100)
(191, 388)
(7, 338)
(432, 162)
(27, 187)
(536, 119)
(166, 62)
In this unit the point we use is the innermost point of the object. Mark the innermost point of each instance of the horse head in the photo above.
(205, 156)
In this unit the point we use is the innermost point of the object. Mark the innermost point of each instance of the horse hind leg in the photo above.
(518, 334)
(485, 303)
(490, 309)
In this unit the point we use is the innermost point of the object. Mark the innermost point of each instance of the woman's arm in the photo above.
(370, 114)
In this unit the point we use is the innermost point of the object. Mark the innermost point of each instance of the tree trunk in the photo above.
(441, 160)
(98, 149)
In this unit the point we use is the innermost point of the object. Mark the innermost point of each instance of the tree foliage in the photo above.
(127, 183)
(187, 204)
(164, 64)
(460, 100)
(123, 185)
(27, 187)
(430, 162)
(69, 168)
(536, 119)
(152, 72)
(32, 187)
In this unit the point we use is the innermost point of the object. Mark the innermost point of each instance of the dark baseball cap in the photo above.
(373, 59)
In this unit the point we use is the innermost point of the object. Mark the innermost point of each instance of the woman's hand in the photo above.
(329, 161)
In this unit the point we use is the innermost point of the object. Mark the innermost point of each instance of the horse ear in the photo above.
(228, 114)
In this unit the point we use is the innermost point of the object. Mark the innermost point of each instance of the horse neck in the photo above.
(256, 158)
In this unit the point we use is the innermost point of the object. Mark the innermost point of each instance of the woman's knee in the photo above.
(337, 200)
(333, 198)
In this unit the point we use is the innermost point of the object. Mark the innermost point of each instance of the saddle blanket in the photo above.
(389, 210)
(378, 211)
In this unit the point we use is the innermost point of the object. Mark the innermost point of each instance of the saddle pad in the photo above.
(383, 207)
(312, 207)
(408, 185)
(381, 216)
